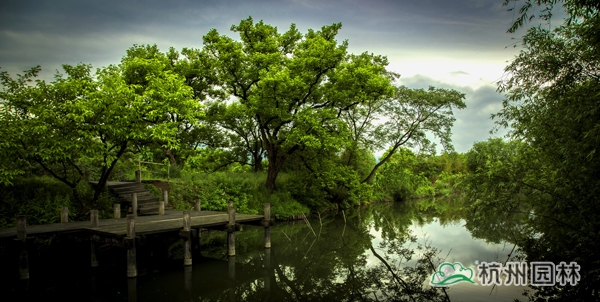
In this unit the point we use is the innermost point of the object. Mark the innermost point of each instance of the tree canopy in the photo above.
(281, 101)
(86, 122)
(549, 171)
(295, 86)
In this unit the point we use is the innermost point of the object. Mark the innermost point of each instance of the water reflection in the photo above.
(131, 289)
(381, 253)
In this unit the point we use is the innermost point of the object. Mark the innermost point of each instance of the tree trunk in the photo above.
(257, 153)
(380, 163)
(105, 174)
(275, 166)
(257, 162)
(171, 157)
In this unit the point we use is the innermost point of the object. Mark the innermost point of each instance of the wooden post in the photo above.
(198, 206)
(23, 256)
(187, 250)
(161, 208)
(86, 174)
(231, 272)
(131, 261)
(267, 270)
(131, 289)
(187, 282)
(64, 215)
(117, 210)
(134, 205)
(267, 225)
(166, 198)
(94, 223)
(138, 176)
(231, 230)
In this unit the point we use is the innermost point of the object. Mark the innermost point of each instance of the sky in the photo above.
(459, 44)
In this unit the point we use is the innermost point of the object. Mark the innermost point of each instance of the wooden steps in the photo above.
(147, 203)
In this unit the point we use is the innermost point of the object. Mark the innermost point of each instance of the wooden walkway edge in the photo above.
(129, 228)
(144, 225)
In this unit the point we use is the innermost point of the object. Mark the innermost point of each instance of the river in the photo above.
(381, 252)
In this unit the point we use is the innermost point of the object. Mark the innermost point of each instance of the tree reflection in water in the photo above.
(340, 261)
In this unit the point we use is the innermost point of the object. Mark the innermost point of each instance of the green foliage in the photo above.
(152, 189)
(283, 206)
(215, 190)
(548, 175)
(407, 175)
(295, 85)
(41, 200)
(412, 113)
(85, 121)
(296, 102)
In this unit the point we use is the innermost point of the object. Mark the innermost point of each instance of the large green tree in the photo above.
(295, 85)
(196, 68)
(85, 121)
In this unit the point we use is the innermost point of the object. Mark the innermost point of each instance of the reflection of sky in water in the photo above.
(456, 244)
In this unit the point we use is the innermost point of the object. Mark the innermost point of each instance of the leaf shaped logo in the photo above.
(451, 273)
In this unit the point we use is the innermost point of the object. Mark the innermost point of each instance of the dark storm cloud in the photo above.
(46, 32)
(51, 33)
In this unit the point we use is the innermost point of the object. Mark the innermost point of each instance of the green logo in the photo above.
(451, 273)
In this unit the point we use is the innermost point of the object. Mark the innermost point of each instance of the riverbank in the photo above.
(41, 198)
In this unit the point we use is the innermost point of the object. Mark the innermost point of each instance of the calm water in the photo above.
(383, 252)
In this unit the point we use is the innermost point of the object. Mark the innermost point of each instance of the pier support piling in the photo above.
(23, 256)
(161, 208)
(134, 204)
(267, 270)
(187, 250)
(267, 225)
(131, 261)
(166, 198)
(187, 282)
(117, 210)
(131, 289)
(64, 215)
(231, 230)
(94, 223)
(231, 273)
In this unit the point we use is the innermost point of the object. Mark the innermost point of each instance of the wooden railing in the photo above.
(138, 174)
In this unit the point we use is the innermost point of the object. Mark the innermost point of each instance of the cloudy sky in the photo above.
(459, 44)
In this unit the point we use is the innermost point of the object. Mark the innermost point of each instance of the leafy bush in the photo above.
(40, 199)
(284, 206)
(215, 190)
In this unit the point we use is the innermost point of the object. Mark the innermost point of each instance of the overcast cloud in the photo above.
(459, 44)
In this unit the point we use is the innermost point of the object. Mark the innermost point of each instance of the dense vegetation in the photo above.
(296, 120)
(541, 189)
(291, 118)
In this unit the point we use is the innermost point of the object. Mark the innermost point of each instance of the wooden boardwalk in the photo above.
(129, 228)
(144, 225)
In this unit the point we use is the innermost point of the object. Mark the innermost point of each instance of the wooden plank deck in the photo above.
(144, 225)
